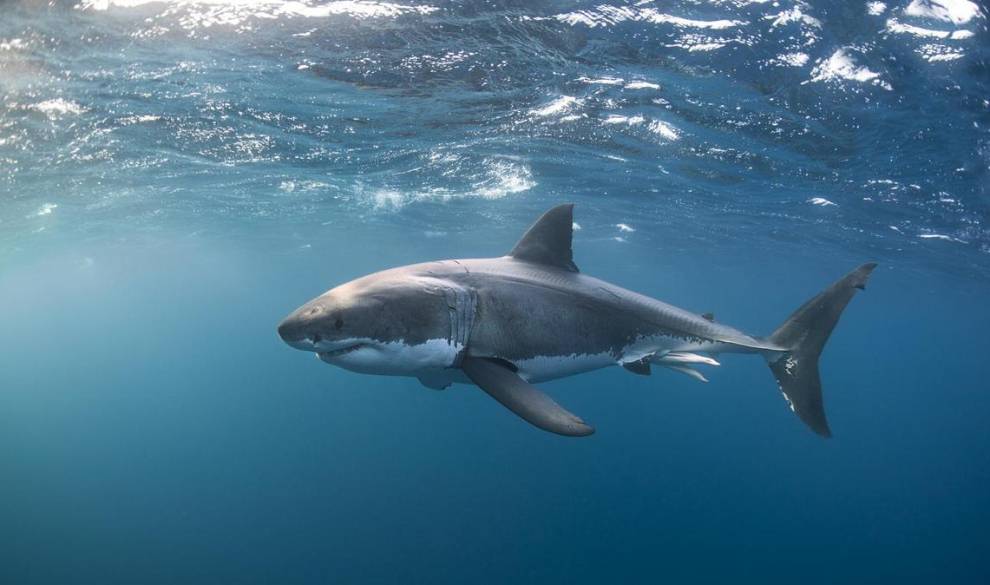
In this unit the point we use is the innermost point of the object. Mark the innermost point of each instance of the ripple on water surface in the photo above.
(124, 113)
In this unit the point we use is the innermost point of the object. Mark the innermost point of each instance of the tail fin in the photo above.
(804, 333)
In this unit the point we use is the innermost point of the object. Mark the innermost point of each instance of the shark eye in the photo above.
(338, 323)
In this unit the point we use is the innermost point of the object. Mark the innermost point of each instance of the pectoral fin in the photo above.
(522, 398)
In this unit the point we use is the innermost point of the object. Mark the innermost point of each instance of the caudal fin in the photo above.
(804, 333)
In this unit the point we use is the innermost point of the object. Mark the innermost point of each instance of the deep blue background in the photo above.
(170, 190)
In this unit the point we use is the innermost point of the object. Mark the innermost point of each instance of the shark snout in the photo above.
(291, 333)
(299, 333)
(301, 329)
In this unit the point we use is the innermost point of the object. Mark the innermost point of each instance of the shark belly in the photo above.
(543, 368)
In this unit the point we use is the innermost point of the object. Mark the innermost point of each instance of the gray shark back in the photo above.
(526, 309)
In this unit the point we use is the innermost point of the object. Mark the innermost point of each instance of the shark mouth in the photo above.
(325, 355)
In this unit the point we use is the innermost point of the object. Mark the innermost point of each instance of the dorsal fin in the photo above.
(548, 241)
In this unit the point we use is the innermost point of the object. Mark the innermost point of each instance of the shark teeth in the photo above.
(324, 355)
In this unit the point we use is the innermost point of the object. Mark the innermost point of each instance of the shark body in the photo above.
(531, 316)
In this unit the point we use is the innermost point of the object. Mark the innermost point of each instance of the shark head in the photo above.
(385, 323)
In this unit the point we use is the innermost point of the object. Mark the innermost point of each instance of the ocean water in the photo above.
(176, 176)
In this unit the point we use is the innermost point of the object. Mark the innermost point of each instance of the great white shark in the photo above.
(507, 323)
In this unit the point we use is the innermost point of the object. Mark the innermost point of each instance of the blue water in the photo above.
(177, 176)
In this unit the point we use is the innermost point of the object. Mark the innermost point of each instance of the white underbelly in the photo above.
(543, 368)
(397, 358)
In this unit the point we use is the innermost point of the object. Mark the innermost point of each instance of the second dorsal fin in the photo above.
(548, 241)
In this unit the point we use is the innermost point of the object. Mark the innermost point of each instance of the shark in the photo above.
(505, 324)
